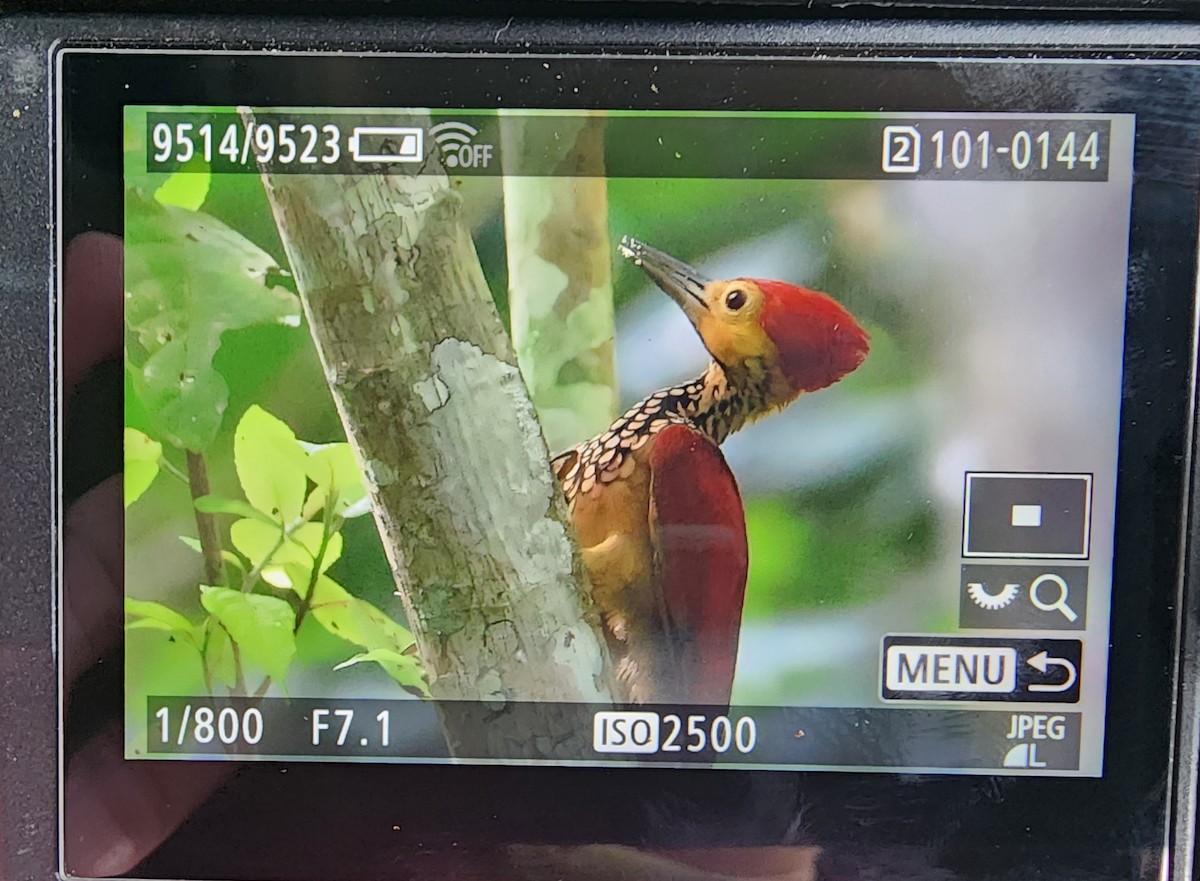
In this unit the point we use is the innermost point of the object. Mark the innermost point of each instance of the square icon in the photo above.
(1035, 516)
(1026, 515)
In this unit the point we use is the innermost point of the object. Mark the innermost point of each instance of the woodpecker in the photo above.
(656, 507)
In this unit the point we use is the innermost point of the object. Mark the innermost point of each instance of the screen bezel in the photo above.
(1152, 466)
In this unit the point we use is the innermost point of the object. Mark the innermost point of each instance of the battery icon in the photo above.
(387, 144)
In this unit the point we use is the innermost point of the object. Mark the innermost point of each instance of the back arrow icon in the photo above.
(1042, 661)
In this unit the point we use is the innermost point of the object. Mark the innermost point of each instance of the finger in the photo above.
(92, 577)
(92, 304)
(119, 811)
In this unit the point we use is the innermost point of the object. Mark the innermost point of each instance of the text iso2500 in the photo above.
(645, 732)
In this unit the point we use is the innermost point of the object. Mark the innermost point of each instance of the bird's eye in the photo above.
(735, 299)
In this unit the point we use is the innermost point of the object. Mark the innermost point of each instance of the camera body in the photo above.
(1007, 206)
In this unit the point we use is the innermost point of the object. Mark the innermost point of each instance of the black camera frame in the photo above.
(30, 241)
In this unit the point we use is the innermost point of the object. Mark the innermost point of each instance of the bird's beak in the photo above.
(681, 282)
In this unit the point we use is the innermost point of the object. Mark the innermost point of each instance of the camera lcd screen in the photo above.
(599, 437)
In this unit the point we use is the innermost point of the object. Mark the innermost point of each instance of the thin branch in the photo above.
(206, 524)
(208, 681)
(326, 535)
(239, 683)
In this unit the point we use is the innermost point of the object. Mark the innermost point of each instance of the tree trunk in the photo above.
(426, 384)
(560, 278)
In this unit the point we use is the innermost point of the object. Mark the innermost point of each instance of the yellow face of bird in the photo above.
(802, 339)
(730, 322)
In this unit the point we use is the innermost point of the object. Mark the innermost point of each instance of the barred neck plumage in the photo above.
(714, 403)
(717, 405)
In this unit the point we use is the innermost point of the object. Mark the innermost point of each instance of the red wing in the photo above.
(699, 529)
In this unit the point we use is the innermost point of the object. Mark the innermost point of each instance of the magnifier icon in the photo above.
(1060, 602)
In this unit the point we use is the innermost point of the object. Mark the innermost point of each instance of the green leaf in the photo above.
(148, 615)
(256, 541)
(214, 504)
(150, 624)
(317, 647)
(157, 612)
(188, 279)
(186, 401)
(193, 543)
(187, 187)
(270, 464)
(218, 654)
(165, 665)
(141, 464)
(333, 467)
(351, 618)
(262, 626)
(405, 669)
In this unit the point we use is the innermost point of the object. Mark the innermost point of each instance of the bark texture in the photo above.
(560, 278)
(427, 387)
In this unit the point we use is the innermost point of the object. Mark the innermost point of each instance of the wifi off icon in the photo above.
(456, 143)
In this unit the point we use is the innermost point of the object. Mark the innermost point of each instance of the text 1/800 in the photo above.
(204, 725)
